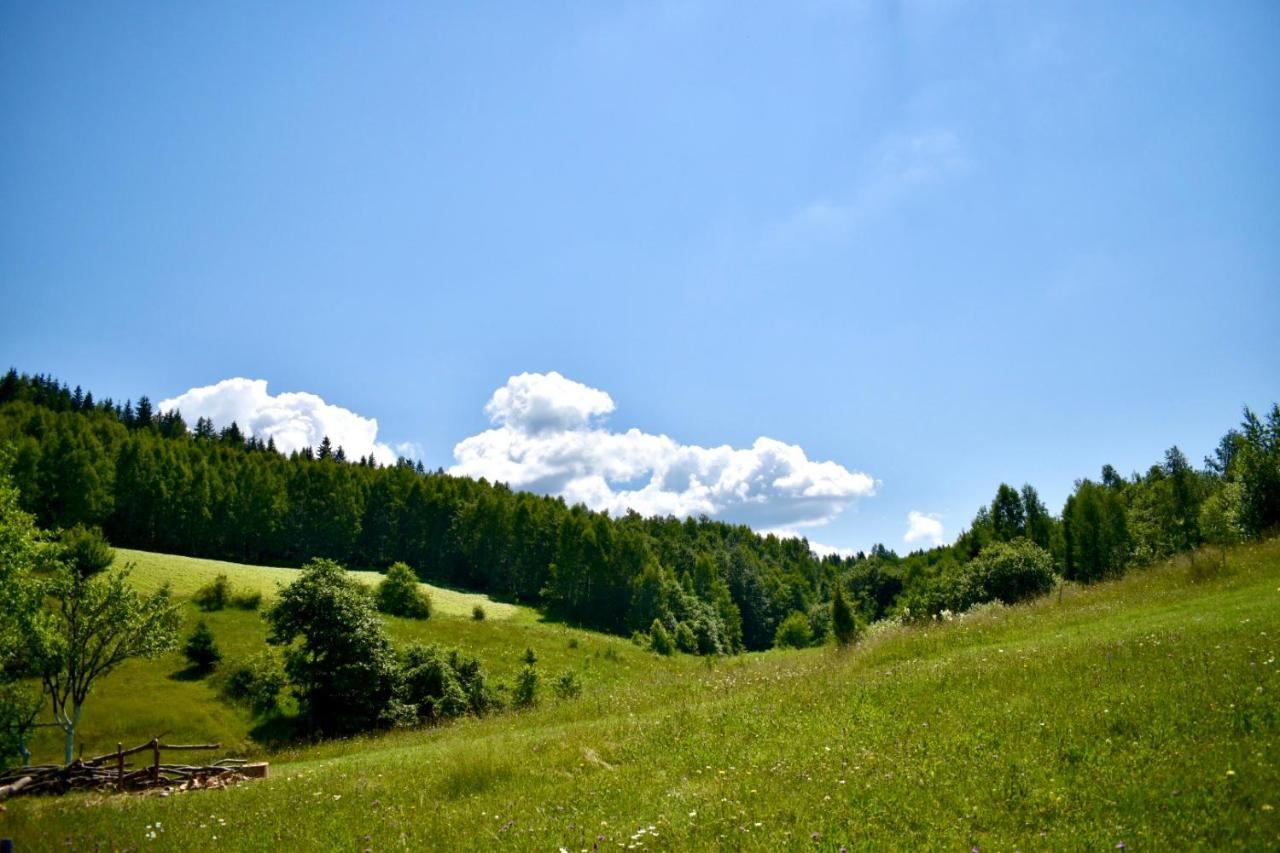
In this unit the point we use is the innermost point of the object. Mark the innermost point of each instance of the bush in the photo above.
(529, 657)
(399, 594)
(685, 640)
(258, 682)
(525, 694)
(477, 613)
(213, 595)
(431, 684)
(339, 659)
(249, 599)
(820, 622)
(659, 639)
(85, 549)
(1011, 572)
(951, 588)
(201, 650)
(567, 686)
(794, 632)
(471, 675)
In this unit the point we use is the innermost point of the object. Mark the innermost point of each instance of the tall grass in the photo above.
(1140, 712)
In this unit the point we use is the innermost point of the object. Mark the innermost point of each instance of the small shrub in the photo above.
(659, 639)
(567, 686)
(86, 550)
(573, 642)
(213, 595)
(820, 622)
(706, 634)
(201, 650)
(529, 657)
(399, 594)
(794, 632)
(257, 682)
(249, 599)
(477, 613)
(430, 683)
(685, 640)
(525, 694)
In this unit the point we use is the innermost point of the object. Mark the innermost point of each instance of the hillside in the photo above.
(1140, 712)
(144, 698)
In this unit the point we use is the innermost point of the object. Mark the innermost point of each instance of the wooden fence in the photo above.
(111, 771)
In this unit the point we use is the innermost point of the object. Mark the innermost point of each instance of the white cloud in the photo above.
(549, 437)
(922, 527)
(294, 419)
(823, 550)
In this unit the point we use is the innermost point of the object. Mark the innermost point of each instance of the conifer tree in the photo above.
(843, 623)
(201, 649)
(144, 413)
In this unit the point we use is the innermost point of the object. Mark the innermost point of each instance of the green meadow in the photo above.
(1140, 712)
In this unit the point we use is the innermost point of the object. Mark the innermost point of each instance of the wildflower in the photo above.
(693, 813)
(1120, 846)
(1230, 773)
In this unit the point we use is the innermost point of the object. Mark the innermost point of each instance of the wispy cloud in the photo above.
(902, 166)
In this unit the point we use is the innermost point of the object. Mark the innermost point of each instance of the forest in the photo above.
(151, 481)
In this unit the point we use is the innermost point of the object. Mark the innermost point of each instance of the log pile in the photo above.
(112, 772)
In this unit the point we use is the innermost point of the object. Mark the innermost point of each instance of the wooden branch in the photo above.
(97, 773)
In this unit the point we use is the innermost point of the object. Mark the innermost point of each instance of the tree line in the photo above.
(151, 482)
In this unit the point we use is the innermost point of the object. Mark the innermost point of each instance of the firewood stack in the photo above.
(111, 772)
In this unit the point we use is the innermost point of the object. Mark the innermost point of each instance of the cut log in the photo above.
(15, 787)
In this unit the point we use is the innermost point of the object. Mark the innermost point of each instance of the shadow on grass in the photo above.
(279, 730)
(191, 673)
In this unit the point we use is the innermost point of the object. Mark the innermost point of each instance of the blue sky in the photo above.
(937, 244)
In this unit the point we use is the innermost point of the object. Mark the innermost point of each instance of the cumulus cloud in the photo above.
(294, 419)
(549, 436)
(922, 527)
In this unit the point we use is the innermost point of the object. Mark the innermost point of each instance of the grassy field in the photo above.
(187, 574)
(1142, 713)
(147, 698)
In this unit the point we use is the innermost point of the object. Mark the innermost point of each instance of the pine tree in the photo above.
(326, 449)
(201, 649)
(233, 435)
(843, 623)
(144, 413)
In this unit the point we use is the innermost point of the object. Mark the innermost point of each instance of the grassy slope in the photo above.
(1142, 711)
(146, 698)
